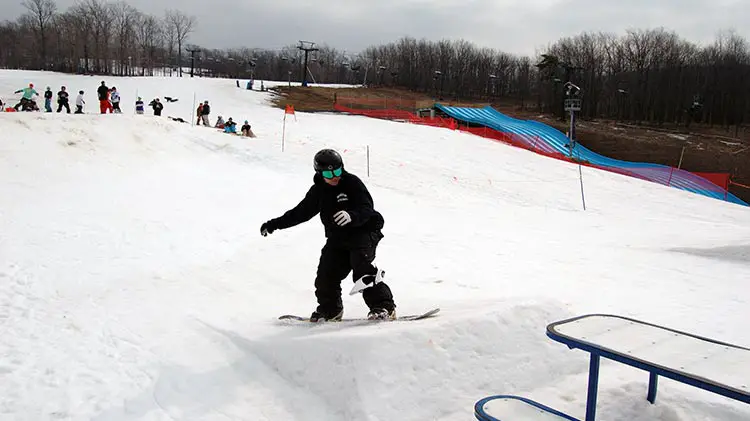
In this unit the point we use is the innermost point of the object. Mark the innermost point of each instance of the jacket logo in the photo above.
(342, 197)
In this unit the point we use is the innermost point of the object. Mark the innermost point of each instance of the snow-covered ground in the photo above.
(134, 284)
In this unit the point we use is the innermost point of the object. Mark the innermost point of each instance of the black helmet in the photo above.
(327, 159)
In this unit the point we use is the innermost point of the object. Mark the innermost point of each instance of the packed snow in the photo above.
(134, 283)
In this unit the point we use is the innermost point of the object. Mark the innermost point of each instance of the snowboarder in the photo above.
(79, 103)
(62, 100)
(353, 231)
(139, 106)
(26, 102)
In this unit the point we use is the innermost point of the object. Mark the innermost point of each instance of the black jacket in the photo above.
(102, 92)
(350, 195)
(62, 97)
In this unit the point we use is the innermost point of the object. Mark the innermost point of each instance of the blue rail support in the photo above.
(658, 350)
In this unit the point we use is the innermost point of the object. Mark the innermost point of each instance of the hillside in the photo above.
(707, 149)
(135, 285)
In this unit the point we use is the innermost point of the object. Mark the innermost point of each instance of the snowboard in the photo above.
(407, 318)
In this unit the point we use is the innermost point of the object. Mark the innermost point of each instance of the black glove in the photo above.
(267, 228)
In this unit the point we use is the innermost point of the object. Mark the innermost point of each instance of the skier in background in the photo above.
(139, 106)
(353, 231)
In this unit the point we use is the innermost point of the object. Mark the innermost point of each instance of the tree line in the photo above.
(650, 76)
(95, 37)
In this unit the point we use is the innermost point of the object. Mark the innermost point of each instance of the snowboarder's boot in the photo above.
(320, 318)
(381, 314)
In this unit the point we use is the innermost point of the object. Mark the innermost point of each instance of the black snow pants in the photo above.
(336, 261)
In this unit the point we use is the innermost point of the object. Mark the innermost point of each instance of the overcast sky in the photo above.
(514, 26)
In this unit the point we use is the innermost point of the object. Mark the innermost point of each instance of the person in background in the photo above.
(48, 100)
(115, 97)
(26, 101)
(62, 100)
(230, 126)
(80, 102)
(104, 104)
(139, 106)
(157, 106)
(205, 111)
(246, 130)
(198, 113)
(219, 123)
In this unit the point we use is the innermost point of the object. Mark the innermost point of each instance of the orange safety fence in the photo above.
(391, 114)
(381, 108)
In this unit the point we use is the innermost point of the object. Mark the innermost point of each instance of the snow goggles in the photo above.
(332, 173)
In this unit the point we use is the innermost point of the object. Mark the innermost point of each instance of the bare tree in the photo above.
(42, 11)
(181, 25)
(148, 35)
(125, 19)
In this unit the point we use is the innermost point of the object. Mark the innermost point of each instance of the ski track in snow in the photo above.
(134, 284)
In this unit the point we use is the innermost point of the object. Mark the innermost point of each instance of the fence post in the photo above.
(580, 176)
(669, 182)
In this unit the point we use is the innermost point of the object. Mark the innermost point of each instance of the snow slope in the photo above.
(134, 284)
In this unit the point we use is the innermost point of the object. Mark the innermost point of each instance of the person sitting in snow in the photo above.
(219, 123)
(246, 131)
(230, 126)
(139, 106)
(79, 103)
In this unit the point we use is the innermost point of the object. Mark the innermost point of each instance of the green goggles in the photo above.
(332, 173)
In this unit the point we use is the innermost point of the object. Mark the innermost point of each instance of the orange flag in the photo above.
(290, 110)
